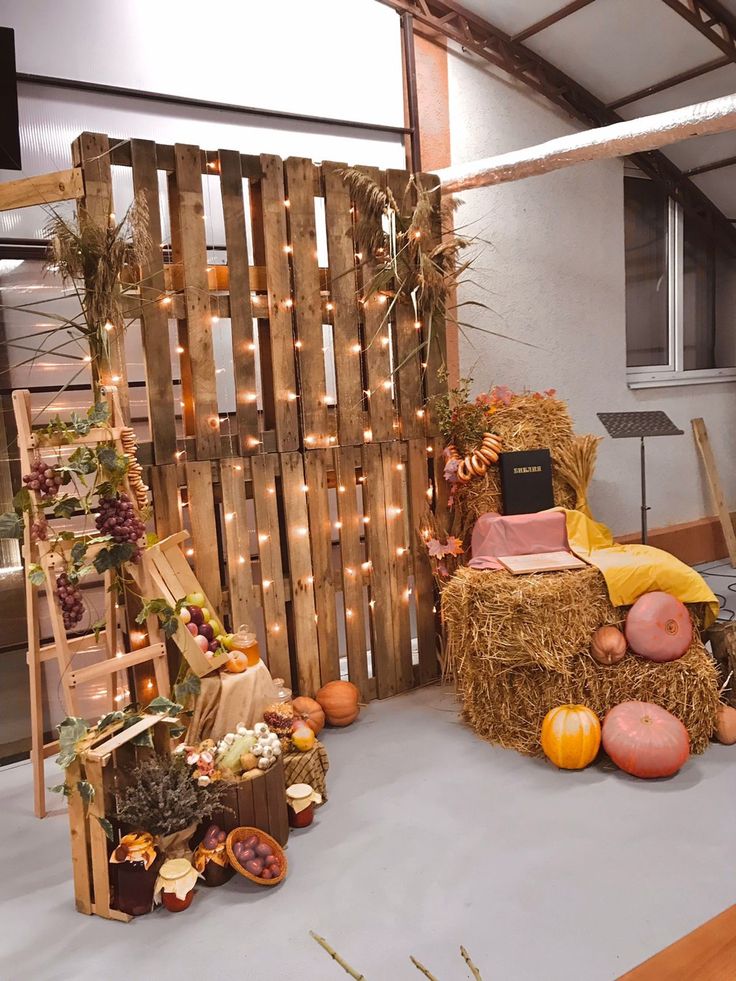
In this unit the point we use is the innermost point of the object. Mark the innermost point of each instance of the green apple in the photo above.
(216, 626)
(206, 614)
(195, 599)
(226, 641)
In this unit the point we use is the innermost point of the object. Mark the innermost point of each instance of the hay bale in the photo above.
(519, 645)
(529, 422)
(515, 621)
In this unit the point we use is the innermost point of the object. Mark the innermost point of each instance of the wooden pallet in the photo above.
(65, 650)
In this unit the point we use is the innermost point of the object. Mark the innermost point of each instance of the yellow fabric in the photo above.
(631, 570)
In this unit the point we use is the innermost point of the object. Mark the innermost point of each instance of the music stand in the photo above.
(640, 425)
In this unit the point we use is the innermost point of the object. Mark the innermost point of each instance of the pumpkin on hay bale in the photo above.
(519, 646)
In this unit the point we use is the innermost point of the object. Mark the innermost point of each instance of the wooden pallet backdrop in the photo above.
(303, 513)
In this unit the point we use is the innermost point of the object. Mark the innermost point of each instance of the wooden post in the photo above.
(716, 487)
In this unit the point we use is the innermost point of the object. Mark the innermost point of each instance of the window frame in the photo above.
(674, 373)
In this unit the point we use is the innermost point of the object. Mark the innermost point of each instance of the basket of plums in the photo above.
(257, 856)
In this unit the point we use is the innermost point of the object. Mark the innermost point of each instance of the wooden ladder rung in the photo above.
(77, 645)
(50, 749)
(118, 663)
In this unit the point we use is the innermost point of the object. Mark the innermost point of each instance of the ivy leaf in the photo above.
(98, 414)
(176, 731)
(106, 827)
(71, 730)
(86, 791)
(10, 525)
(82, 462)
(111, 558)
(111, 462)
(60, 788)
(163, 706)
(143, 739)
(67, 536)
(79, 550)
(191, 685)
(109, 719)
(22, 501)
(36, 575)
(66, 506)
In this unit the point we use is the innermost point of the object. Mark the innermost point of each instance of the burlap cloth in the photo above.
(310, 767)
(226, 699)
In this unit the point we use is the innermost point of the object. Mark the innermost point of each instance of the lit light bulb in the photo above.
(263, 538)
(288, 303)
(291, 396)
(366, 566)
(266, 583)
(305, 487)
(384, 342)
(420, 413)
(179, 349)
(166, 300)
(309, 440)
(214, 319)
(298, 345)
(330, 306)
(417, 325)
(387, 384)
(399, 466)
(251, 346)
(108, 326)
(400, 550)
(348, 613)
(366, 520)
(310, 580)
(338, 525)
(275, 628)
(355, 348)
(288, 249)
(287, 203)
(367, 435)
(229, 516)
(87, 358)
(190, 552)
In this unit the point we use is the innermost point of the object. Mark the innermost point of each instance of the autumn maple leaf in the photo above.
(454, 546)
(435, 548)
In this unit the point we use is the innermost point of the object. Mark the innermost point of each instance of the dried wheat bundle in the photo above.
(575, 463)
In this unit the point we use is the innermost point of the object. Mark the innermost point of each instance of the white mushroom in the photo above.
(263, 763)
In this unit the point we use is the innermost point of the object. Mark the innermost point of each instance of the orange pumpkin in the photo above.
(339, 701)
(311, 712)
(608, 645)
(726, 725)
(571, 736)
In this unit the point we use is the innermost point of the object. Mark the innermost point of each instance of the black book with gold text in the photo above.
(526, 481)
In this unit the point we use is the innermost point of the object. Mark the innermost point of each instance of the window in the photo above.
(680, 293)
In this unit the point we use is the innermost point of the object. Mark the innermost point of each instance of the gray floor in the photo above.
(431, 839)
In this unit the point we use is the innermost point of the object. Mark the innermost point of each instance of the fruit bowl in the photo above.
(242, 834)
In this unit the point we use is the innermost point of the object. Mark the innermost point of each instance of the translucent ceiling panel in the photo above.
(51, 119)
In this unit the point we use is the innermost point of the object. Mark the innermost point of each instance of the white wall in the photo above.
(553, 276)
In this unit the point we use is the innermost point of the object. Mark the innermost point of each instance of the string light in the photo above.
(229, 516)
(387, 384)
(399, 466)
(400, 550)
(288, 303)
(149, 684)
(394, 511)
(291, 396)
(87, 358)
(108, 326)
(430, 492)
(288, 249)
(270, 490)
(309, 440)
(367, 393)
(341, 489)
(301, 531)
(338, 525)
(366, 566)
(190, 552)
(179, 349)
(250, 396)
(330, 306)
(310, 580)
(252, 441)
(266, 583)
(348, 613)
(381, 298)
(366, 520)
(166, 301)
(275, 628)
(305, 487)
(179, 453)
(359, 256)
(417, 325)
(384, 342)
(420, 413)
(287, 203)
(350, 572)
(251, 347)
(263, 538)
(214, 319)
(241, 559)
(355, 348)
(298, 345)
(372, 604)
(367, 435)
(430, 449)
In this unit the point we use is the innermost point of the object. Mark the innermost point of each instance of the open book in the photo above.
(541, 562)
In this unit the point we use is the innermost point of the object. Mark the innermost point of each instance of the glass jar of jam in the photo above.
(175, 884)
(301, 800)
(244, 649)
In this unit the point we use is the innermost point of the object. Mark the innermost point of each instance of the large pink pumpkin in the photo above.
(658, 627)
(645, 740)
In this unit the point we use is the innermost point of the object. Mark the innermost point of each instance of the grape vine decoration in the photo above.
(89, 482)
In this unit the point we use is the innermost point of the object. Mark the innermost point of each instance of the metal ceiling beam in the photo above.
(670, 82)
(715, 165)
(550, 19)
(712, 20)
(452, 20)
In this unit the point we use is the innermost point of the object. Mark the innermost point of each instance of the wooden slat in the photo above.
(352, 558)
(62, 185)
(424, 598)
(199, 349)
(299, 177)
(301, 575)
(260, 802)
(109, 746)
(377, 333)
(383, 641)
(281, 364)
(237, 540)
(241, 313)
(267, 523)
(154, 315)
(408, 340)
(345, 318)
(706, 954)
(111, 665)
(204, 530)
(435, 335)
(320, 529)
(165, 494)
(78, 830)
(716, 487)
(98, 842)
(91, 152)
(397, 532)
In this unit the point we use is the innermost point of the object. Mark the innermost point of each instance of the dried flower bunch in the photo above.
(162, 797)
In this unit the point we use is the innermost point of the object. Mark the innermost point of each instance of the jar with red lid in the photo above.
(301, 800)
(175, 884)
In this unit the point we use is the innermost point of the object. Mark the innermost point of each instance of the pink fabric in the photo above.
(516, 534)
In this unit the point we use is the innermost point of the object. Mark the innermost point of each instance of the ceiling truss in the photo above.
(449, 19)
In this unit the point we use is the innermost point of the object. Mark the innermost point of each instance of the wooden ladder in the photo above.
(63, 649)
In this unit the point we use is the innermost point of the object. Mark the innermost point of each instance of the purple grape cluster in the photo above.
(70, 600)
(117, 517)
(44, 479)
(39, 529)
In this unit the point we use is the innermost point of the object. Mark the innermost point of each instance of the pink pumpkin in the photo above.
(645, 740)
(658, 627)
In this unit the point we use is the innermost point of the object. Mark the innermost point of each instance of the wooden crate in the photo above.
(258, 800)
(102, 762)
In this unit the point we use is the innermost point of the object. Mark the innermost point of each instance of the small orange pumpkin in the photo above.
(339, 701)
(311, 712)
(571, 736)
(726, 725)
(608, 645)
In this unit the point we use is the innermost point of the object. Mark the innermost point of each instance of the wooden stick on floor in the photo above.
(716, 487)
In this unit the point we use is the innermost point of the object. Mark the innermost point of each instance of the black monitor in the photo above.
(9, 130)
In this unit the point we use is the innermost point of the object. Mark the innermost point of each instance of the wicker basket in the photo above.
(240, 834)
